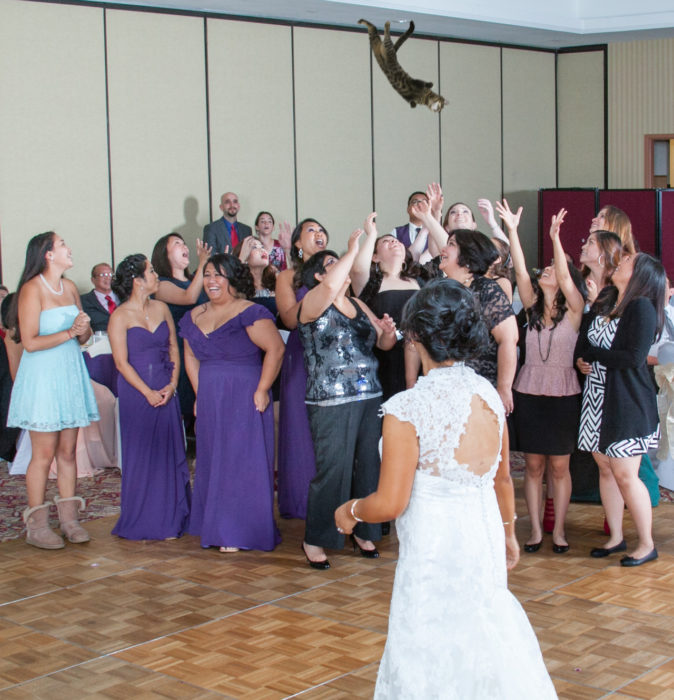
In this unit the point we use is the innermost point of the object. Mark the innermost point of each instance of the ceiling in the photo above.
(541, 23)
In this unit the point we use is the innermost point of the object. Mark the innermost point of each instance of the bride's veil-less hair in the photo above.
(444, 317)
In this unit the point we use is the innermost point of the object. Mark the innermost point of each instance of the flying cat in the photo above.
(410, 89)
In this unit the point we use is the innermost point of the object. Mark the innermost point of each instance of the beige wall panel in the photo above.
(528, 136)
(406, 139)
(471, 124)
(580, 119)
(158, 153)
(53, 144)
(333, 127)
(251, 117)
(640, 102)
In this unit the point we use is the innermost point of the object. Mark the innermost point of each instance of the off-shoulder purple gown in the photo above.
(155, 477)
(233, 504)
(296, 461)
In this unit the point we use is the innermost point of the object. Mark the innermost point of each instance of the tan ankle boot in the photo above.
(38, 532)
(70, 527)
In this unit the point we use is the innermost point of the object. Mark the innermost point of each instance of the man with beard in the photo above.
(226, 231)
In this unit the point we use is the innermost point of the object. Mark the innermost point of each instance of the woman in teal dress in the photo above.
(52, 395)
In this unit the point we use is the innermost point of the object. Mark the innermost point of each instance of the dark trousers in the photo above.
(346, 445)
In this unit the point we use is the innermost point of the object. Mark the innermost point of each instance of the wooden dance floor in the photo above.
(117, 619)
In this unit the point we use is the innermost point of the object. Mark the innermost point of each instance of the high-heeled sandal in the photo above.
(320, 565)
(367, 553)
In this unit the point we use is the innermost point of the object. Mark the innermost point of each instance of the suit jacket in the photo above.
(217, 236)
(98, 314)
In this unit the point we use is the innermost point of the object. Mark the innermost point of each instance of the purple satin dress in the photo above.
(233, 504)
(296, 461)
(155, 477)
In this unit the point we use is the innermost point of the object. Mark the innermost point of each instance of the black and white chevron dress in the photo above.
(601, 334)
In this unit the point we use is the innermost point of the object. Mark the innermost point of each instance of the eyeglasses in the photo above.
(104, 274)
(414, 202)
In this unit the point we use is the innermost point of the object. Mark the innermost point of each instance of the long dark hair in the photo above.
(410, 271)
(238, 275)
(269, 272)
(476, 251)
(315, 264)
(128, 270)
(649, 280)
(294, 253)
(36, 263)
(160, 261)
(536, 312)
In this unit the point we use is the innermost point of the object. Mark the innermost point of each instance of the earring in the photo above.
(600, 260)
(376, 268)
(404, 266)
(300, 253)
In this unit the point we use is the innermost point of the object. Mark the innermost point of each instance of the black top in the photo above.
(495, 308)
(629, 408)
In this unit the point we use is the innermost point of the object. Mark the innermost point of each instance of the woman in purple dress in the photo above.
(296, 461)
(224, 340)
(155, 476)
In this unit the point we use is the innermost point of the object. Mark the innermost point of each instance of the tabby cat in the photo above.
(410, 89)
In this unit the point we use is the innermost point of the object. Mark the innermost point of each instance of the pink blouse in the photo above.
(548, 369)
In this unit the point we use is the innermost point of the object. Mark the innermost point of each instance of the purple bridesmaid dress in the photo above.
(233, 501)
(155, 476)
(296, 461)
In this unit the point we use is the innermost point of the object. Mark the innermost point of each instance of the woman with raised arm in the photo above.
(155, 477)
(296, 463)
(182, 291)
(52, 395)
(383, 276)
(547, 391)
(233, 353)
(466, 257)
(278, 249)
(619, 417)
(454, 628)
(343, 395)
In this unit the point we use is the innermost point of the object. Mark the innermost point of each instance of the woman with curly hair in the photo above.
(155, 476)
(454, 628)
(383, 276)
(225, 340)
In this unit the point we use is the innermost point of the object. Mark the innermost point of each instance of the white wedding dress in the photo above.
(455, 630)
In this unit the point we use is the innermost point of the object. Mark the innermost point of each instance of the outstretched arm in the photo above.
(574, 299)
(487, 211)
(360, 271)
(436, 233)
(511, 221)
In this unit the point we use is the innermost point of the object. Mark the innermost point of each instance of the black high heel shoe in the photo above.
(367, 553)
(320, 565)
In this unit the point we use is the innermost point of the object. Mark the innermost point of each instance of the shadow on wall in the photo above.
(191, 229)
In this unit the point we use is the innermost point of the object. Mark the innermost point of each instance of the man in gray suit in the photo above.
(226, 231)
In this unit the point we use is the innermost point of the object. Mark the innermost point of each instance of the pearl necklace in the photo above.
(50, 288)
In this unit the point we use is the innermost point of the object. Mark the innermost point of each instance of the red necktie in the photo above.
(111, 304)
(233, 235)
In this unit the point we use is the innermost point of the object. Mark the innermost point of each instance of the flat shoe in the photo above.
(599, 552)
(533, 547)
(631, 561)
(560, 548)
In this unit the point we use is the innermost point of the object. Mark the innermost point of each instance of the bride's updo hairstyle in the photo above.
(238, 275)
(444, 317)
(131, 267)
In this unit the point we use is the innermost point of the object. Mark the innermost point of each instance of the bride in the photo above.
(455, 631)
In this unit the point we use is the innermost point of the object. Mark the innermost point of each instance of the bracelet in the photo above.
(353, 514)
(510, 522)
(70, 333)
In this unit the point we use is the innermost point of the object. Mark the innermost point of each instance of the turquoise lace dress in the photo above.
(52, 390)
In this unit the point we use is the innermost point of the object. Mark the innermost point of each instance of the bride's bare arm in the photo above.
(400, 455)
(505, 495)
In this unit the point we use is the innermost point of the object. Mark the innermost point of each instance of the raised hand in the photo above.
(387, 324)
(487, 210)
(510, 219)
(592, 291)
(354, 244)
(247, 245)
(284, 235)
(370, 224)
(435, 198)
(556, 223)
(421, 209)
(203, 251)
